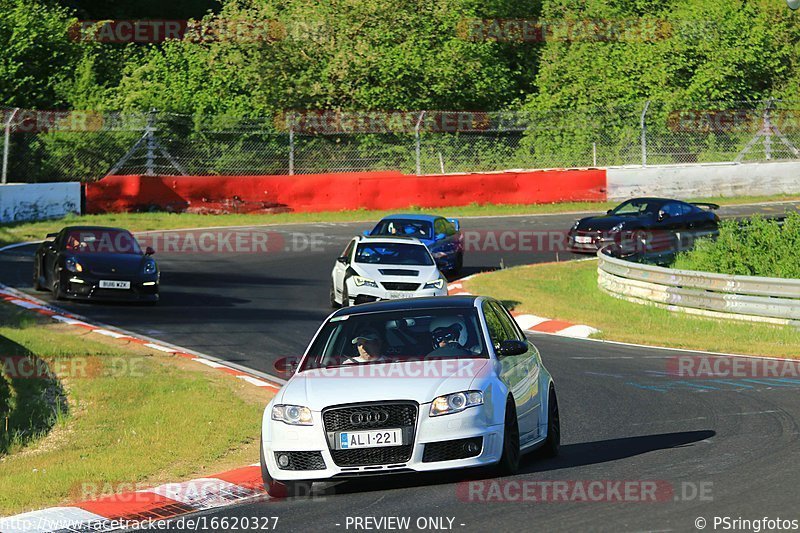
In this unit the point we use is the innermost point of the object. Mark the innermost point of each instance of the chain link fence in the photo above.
(40, 146)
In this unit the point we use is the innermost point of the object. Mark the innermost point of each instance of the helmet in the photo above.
(449, 328)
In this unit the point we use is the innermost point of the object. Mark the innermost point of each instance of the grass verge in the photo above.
(568, 291)
(22, 232)
(134, 418)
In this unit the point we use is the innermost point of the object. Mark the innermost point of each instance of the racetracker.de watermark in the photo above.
(582, 490)
(157, 31)
(709, 367)
(75, 367)
(634, 29)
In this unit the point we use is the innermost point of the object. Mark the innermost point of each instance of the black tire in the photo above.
(334, 303)
(58, 294)
(552, 445)
(281, 489)
(345, 296)
(37, 277)
(509, 460)
(459, 263)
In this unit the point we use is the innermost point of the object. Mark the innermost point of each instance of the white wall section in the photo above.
(38, 201)
(702, 180)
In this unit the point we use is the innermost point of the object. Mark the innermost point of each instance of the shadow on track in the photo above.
(571, 455)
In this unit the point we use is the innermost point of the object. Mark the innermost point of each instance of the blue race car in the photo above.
(441, 235)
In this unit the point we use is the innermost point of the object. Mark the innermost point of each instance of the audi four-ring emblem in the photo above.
(369, 417)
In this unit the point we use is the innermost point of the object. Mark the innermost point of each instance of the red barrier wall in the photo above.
(333, 192)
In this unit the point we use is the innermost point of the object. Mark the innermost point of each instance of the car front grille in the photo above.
(399, 286)
(302, 461)
(390, 415)
(450, 450)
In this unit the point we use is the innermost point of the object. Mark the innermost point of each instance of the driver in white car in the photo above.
(369, 347)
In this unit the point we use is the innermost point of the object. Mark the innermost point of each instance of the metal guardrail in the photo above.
(751, 298)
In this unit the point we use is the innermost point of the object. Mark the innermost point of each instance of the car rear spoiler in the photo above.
(707, 205)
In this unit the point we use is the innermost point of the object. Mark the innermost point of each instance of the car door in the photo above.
(445, 243)
(514, 372)
(527, 365)
(50, 258)
(341, 266)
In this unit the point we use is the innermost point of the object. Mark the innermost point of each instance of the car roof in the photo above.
(655, 200)
(411, 304)
(93, 228)
(388, 238)
(425, 218)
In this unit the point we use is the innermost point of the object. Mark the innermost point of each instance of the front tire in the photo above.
(58, 293)
(553, 443)
(345, 296)
(334, 303)
(281, 489)
(37, 277)
(509, 460)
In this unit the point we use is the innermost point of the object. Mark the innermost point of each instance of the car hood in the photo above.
(420, 381)
(604, 222)
(111, 264)
(410, 273)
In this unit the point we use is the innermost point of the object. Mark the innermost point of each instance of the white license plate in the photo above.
(108, 284)
(398, 295)
(376, 438)
(583, 240)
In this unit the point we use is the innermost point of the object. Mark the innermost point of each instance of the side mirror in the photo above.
(51, 236)
(366, 233)
(513, 347)
(662, 215)
(149, 251)
(286, 366)
(610, 211)
(440, 236)
(342, 259)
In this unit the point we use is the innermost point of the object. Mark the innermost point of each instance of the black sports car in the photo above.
(644, 224)
(95, 263)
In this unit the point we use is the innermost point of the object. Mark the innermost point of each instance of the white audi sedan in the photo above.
(384, 268)
(409, 386)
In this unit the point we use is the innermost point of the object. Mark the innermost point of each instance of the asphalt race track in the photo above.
(713, 447)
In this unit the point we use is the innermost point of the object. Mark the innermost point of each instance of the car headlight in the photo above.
(455, 403)
(435, 284)
(150, 267)
(72, 265)
(364, 282)
(294, 415)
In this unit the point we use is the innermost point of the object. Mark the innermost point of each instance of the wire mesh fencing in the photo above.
(40, 146)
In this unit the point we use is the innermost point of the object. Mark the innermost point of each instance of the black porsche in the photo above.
(95, 263)
(645, 223)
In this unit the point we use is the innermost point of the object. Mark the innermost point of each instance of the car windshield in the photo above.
(393, 253)
(421, 229)
(634, 208)
(101, 241)
(397, 336)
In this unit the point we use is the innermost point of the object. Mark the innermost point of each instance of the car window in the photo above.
(439, 227)
(497, 332)
(348, 251)
(637, 206)
(420, 229)
(449, 228)
(393, 253)
(400, 336)
(506, 322)
(99, 241)
(672, 209)
(686, 209)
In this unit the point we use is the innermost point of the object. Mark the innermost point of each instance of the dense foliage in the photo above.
(756, 247)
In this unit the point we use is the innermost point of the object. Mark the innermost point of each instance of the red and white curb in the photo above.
(532, 322)
(21, 299)
(140, 509)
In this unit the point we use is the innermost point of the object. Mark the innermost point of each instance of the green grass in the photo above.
(21, 232)
(568, 291)
(134, 417)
